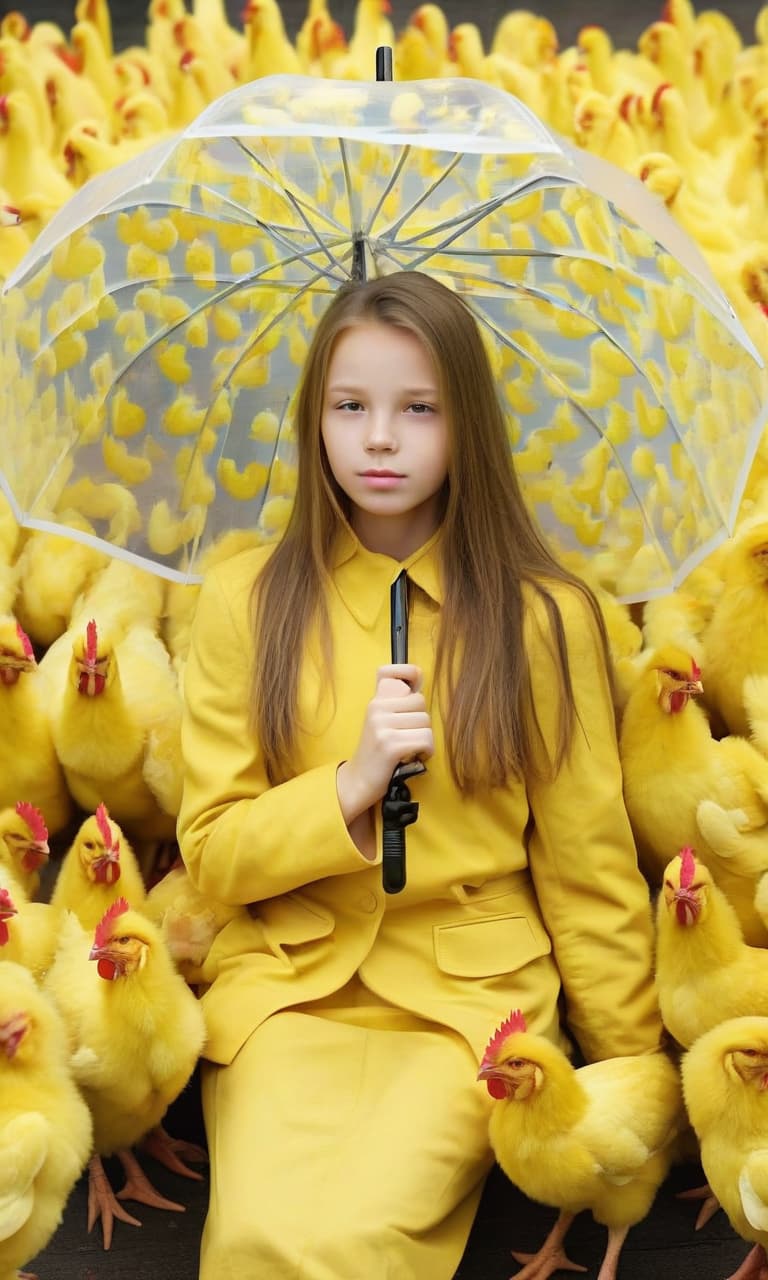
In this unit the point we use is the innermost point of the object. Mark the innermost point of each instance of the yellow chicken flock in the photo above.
(92, 650)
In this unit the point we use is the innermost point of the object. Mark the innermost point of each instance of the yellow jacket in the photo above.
(490, 878)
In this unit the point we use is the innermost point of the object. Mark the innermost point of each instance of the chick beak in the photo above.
(106, 964)
(107, 867)
(687, 907)
(12, 1032)
(494, 1079)
(35, 855)
(694, 688)
(90, 679)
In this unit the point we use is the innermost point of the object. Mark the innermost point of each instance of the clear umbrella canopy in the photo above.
(154, 335)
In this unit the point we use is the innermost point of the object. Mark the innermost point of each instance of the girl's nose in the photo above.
(380, 435)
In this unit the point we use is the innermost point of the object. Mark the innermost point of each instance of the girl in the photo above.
(348, 1137)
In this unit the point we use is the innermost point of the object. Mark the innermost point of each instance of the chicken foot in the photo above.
(616, 1238)
(551, 1256)
(708, 1209)
(754, 1266)
(102, 1203)
(173, 1151)
(138, 1187)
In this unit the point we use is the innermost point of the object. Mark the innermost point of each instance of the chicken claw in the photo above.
(138, 1187)
(708, 1209)
(169, 1151)
(102, 1203)
(754, 1266)
(551, 1257)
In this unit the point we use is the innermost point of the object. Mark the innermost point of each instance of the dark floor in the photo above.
(664, 1247)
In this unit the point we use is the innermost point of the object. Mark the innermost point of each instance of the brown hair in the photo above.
(489, 547)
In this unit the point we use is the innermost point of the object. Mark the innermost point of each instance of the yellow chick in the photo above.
(601, 1137)
(45, 1126)
(705, 972)
(98, 868)
(724, 1084)
(736, 640)
(682, 786)
(53, 571)
(137, 1031)
(113, 699)
(29, 931)
(24, 844)
(28, 763)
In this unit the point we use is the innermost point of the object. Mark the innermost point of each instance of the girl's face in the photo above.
(385, 435)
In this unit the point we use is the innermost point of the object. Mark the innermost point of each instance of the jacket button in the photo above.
(367, 902)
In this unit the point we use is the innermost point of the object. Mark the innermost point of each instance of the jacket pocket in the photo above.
(485, 948)
(290, 920)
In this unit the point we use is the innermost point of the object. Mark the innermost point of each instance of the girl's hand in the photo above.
(396, 729)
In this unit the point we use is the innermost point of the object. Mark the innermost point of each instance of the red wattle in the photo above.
(4, 933)
(107, 969)
(496, 1088)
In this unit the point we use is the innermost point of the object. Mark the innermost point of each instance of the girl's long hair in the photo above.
(489, 548)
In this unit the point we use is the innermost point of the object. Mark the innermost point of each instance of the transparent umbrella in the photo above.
(153, 337)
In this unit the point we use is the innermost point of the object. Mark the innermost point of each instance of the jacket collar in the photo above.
(363, 578)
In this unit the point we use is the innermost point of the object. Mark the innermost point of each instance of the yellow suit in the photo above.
(491, 878)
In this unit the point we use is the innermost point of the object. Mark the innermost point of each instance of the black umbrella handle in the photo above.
(398, 811)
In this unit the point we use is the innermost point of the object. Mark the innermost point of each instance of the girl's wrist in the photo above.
(352, 798)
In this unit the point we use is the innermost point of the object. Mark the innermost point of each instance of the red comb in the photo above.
(687, 867)
(34, 820)
(6, 901)
(102, 822)
(515, 1022)
(104, 927)
(91, 641)
(25, 641)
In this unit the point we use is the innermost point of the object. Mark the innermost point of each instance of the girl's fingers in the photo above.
(406, 672)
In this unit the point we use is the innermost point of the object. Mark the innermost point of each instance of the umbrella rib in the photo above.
(404, 154)
(489, 206)
(347, 181)
(277, 185)
(394, 227)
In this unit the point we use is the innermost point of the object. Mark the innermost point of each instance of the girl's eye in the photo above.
(420, 408)
(354, 406)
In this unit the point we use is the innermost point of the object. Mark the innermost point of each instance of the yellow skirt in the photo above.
(347, 1139)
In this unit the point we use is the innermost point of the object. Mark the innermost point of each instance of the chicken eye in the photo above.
(749, 1053)
(122, 941)
(89, 845)
(516, 1063)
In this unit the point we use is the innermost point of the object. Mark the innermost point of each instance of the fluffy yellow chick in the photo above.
(29, 931)
(725, 1084)
(136, 1031)
(24, 844)
(45, 1127)
(28, 763)
(53, 571)
(116, 724)
(188, 920)
(705, 972)
(98, 868)
(736, 640)
(601, 1137)
(683, 787)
